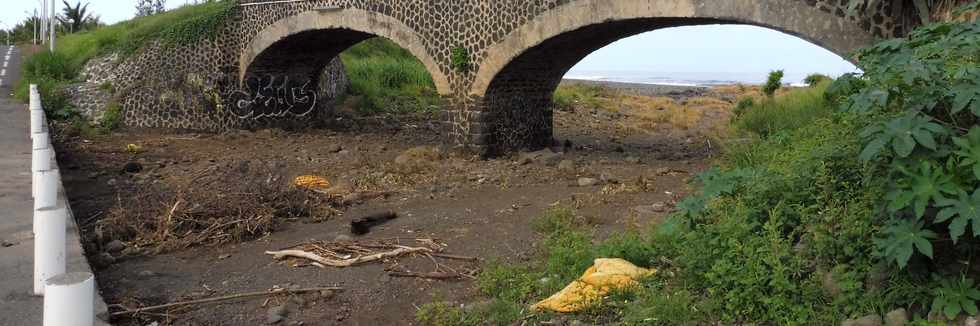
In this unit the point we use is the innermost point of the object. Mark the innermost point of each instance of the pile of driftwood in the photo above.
(342, 254)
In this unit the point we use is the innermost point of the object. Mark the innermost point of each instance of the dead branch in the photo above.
(345, 262)
(455, 257)
(222, 298)
(430, 275)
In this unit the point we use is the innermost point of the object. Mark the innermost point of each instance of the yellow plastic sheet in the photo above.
(605, 275)
(311, 182)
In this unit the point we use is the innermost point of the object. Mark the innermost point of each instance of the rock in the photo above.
(327, 294)
(147, 274)
(133, 167)
(566, 166)
(545, 156)
(114, 246)
(662, 171)
(829, 285)
(104, 259)
(111, 182)
(897, 317)
(342, 237)
(608, 178)
(343, 152)
(633, 160)
(659, 207)
(276, 314)
(970, 321)
(334, 148)
(869, 320)
(587, 182)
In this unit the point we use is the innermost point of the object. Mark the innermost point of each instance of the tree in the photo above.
(773, 84)
(74, 18)
(150, 7)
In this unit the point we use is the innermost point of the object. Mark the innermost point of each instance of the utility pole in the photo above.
(44, 21)
(52, 25)
(37, 23)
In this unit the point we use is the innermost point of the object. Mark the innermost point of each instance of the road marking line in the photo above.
(3, 72)
(5, 64)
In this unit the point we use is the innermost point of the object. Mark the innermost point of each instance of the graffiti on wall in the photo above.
(274, 96)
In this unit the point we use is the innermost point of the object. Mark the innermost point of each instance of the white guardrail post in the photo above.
(69, 298)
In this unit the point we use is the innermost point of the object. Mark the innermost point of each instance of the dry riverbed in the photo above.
(175, 217)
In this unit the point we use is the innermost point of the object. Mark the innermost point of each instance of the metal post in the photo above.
(53, 19)
(37, 23)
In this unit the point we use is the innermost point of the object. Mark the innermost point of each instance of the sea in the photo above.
(687, 78)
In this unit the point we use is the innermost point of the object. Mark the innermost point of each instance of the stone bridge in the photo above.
(496, 61)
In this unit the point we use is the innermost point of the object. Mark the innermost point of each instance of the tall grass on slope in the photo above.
(788, 111)
(388, 78)
(51, 71)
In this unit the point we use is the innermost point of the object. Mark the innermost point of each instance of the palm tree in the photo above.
(74, 18)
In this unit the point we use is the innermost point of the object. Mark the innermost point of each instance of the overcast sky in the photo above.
(717, 48)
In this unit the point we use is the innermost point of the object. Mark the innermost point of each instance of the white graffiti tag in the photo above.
(269, 98)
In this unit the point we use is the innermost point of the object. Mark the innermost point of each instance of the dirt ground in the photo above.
(471, 207)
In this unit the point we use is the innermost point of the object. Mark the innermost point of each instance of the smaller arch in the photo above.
(356, 20)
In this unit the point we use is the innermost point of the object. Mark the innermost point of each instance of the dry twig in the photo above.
(222, 298)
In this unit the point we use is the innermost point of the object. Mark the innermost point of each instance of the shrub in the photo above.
(460, 59)
(773, 83)
(816, 79)
(111, 118)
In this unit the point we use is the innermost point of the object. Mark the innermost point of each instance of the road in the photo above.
(17, 305)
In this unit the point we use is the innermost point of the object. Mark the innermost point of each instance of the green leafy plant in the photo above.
(966, 209)
(955, 295)
(920, 187)
(968, 150)
(903, 134)
(773, 83)
(902, 239)
(460, 59)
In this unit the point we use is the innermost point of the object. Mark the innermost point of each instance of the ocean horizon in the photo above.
(686, 78)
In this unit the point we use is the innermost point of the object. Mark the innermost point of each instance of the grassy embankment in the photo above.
(855, 198)
(383, 76)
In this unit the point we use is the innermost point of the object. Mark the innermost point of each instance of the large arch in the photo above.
(312, 38)
(518, 75)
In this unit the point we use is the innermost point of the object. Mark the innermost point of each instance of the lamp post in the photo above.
(52, 18)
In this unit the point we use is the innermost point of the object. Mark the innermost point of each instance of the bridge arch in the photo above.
(518, 75)
(306, 42)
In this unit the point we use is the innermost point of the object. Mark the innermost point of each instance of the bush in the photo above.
(773, 83)
(816, 79)
(112, 118)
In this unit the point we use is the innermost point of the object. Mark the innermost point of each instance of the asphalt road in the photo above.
(17, 305)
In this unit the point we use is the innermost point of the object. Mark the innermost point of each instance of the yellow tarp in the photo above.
(605, 275)
(311, 182)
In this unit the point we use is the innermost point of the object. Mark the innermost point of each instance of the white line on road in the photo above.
(5, 64)
(3, 72)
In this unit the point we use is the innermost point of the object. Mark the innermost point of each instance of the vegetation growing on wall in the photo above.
(51, 71)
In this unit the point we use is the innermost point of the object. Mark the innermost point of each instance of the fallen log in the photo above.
(345, 262)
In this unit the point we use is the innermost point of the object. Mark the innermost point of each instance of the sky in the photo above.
(698, 49)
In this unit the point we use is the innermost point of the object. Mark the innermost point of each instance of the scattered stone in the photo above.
(545, 156)
(334, 148)
(608, 178)
(104, 259)
(869, 320)
(276, 314)
(115, 246)
(224, 256)
(662, 171)
(587, 182)
(342, 237)
(659, 207)
(897, 317)
(147, 274)
(566, 166)
(133, 167)
(633, 160)
(343, 152)
(327, 294)
(970, 321)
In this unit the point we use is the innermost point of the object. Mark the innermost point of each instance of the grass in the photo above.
(790, 110)
(653, 110)
(388, 78)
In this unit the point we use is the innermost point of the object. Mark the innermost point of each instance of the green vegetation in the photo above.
(388, 78)
(591, 96)
(868, 205)
(768, 116)
(460, 59)
(52, 71)
(773, 83)
(816, 79)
